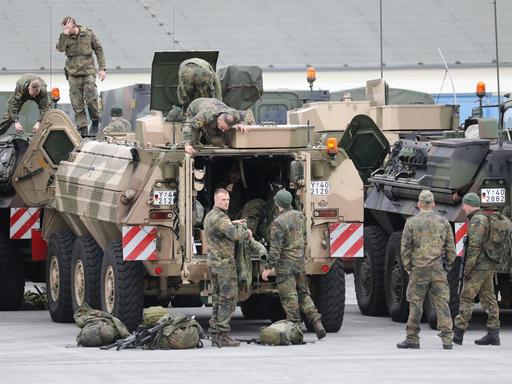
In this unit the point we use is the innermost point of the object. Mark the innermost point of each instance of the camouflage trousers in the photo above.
(292, 285)
(82, 91)
(421, 280)
(6, 123)
(224, 297)
(194, 82)
(480, 283)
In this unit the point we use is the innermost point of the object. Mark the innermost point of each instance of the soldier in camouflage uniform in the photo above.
(209, 121)
(286, 258)
(479, 272)
(221, 235)
(79, 43)
(428, 251)
(28, 87)
(118, 123)
(197, 79)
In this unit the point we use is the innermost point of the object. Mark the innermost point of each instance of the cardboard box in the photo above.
(275, 136)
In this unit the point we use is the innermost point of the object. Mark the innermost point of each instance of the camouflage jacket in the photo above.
(79, 49)
(427, 241)
(478, 233)
(202, 116)
(287, 239)
(21, 95)
(210, 77)
(221, 235)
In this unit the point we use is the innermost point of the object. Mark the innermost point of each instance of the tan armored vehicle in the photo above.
(122, 217)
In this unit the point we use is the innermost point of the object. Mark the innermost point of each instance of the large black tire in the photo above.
(122, 286)
(429, 312)
(58, 276)
(328, 293)
(369, 273)
(396, 280)
(255, 307)
(12, 277)
(85, 272)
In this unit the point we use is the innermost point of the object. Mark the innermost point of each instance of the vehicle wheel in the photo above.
(85, 272)
(12, 277)
(122, 286)
(58, 276)
(187, 301)
(255, 307)
(369, 273)
(329, 297)
(396, 280)
(429, 312)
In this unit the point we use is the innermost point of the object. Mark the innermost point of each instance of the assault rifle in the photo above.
(139, 338)
(256, 340)
(460, 282)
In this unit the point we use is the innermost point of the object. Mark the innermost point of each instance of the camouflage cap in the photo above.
(471, 199)
(283, 198)
(116, 111)
(426, 196)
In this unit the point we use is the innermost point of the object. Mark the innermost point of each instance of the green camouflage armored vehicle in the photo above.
(123, 221)
(450, 168)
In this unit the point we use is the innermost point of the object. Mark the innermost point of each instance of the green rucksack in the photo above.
(179, 332)
(282, 332)
(499, 244)
(152, 315)
(98, 328)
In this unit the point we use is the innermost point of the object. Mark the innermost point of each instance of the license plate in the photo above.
(319, 188)
(492, 195)
(164, 197)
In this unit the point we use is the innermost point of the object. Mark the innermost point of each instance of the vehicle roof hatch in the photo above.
(164, 76)
(365, 144)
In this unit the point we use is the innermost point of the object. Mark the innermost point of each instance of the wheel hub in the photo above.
(79, 282)
(110, 289)
(54, 279)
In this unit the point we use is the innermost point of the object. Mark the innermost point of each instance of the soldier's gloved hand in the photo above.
(102, 74)
(36, 126)
(18, 126)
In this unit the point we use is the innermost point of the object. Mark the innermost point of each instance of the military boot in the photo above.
(227, 341)
(407, 344)
(94, 127)
(491, 338)
(214, 337)
(319, 329)
(458, 335)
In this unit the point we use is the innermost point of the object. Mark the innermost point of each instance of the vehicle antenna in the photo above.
(447, 73)
(381, 53)
(500, 106)
(51, 85)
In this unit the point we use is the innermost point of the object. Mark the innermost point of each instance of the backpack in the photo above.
(151, 315)
(499, 244)
(179, 332)
(282, 332)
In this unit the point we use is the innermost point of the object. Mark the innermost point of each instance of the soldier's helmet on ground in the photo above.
(116, 111)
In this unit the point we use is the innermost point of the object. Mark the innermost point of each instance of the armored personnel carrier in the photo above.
(122, 216)
(450, 168)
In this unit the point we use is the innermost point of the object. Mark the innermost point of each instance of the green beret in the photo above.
(471, 199)
(116, 111)
(283, 198)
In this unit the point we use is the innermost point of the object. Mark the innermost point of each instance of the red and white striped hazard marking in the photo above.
(346, 239)
(139, 243)
(461, 230)
(22, 221)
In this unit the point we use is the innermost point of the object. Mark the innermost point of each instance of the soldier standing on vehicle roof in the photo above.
(428, 251)
(286, 258)
(208, 122)
(28, 87)
(197, 79)
(221, 235)
(479, 272)
(79, 43)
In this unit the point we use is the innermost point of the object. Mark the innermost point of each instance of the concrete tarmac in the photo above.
(33, 349)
